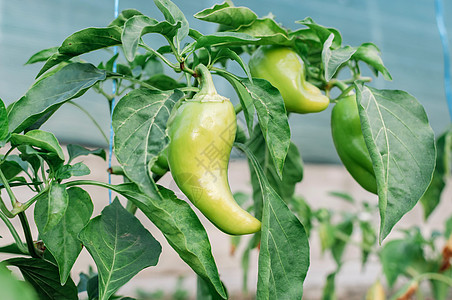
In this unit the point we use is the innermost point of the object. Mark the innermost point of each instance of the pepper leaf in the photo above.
(267, 31)
(174, 15)
(284, 252)
(224, 39)
(137, 26)
(4, 128)
(401, 145)
(139, 123)
(124, 16)
(42, 55)
(171, 216)
(120, 247)
(46, 96)
(43, 276)
(370, 54)
(62, 239)
(39, 139)
(226, 15)
(432, 196)
(333, 59)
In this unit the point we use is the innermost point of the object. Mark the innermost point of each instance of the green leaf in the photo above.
(12, 249)
(329, 290)
(57, 203)
(42, 55)
(322, 33)
(226, 15)
(291, 175)
(43, 276)
(45, 97)
(124, 16)
(62, 240)
(267, 31)
(4, 128)
(77, 150)
(164, 82)
(401, 145)
(370, 54)
(173, 14)
(138, 26)
(333, 59)
(284, 252)
(13, 288)
(432, 196)
(40, 139)
(67, 171)
(244, 96)
(120, 247)
(139, 123)
(181, 228)
(229, 54)
(344, 196)
(273, 121)
(56, 59)
(204, 291)
(345, 228)
(225, 39)
(368, 238)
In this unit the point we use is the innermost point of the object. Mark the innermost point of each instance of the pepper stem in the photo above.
(207, 91)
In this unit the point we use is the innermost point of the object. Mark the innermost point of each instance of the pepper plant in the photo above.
(161, 121)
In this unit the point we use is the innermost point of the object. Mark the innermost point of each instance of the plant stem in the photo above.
(28, 237)
(14, 233)
(6, 154)
(434, 276)
(238, 108)
(5, 210)
(8, 188)
(92, 119)
(163, 58)
(27, 204)
(137, 81)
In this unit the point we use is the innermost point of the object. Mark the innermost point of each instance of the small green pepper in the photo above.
(349, 142)
(201, 136)
(285, 70)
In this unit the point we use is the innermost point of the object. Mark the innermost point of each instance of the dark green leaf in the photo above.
(62, 240)
(329, 290)
(124, 16)
(50, 93)
(273, 121)
(12, 166)
(292, 172)
(138, 26)
(302, 209)
(333, 59)
(344, 196)
(164, 82)
(432, 196)
(370, 54)
(226, 15)
(225, 39)
(267, 31)
(92, 287)
(284, 252)
(139, 123)
(4, 128)
(401, 144)
(205, 292)
(77, 150)
(56, 59)
(42, 55)
(40, 139)
(120, 247)
(11, 249)
(174, 15)
(181, 228)
(43, 276)
(67, 171)
(345, 229)
(14, 289)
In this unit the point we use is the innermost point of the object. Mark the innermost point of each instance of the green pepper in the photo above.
(201, 136)
(349, 142)
(285, 70)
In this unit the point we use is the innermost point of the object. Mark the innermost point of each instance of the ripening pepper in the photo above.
(201, 136)
(376, 292)
(285, 70)
(349, 142)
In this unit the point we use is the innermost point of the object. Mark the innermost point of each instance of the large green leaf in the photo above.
(124, 16)
(139, 123)
(138, 26)
(292, 172)
(46, 96)
(120, 246)
(225, 39)
(62, 240)
(432, 196)
(43, 276)
(322, 33)
(226, 15)
(267, 31)
(13, 288)
(273, 120)
(40, 139)
(401, 144)
(56, 206)
(77, 150)
(284, 252)
(181, 228)
(333, 59)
